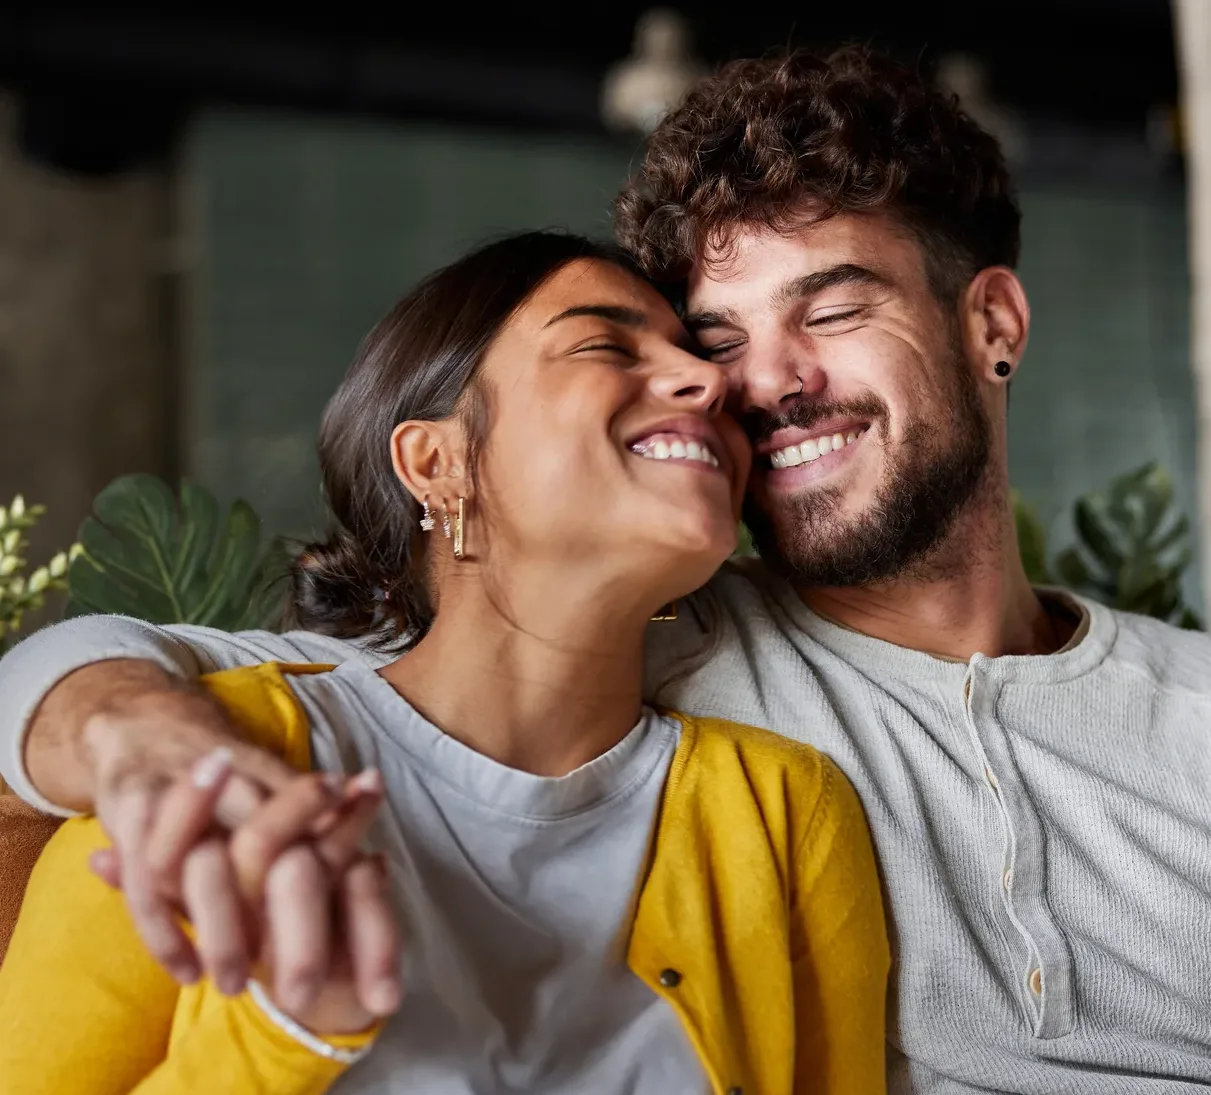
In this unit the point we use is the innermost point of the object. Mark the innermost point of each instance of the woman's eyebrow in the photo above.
(628, 317)
(616, 313)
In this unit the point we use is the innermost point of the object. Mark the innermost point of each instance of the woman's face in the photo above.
(606, 446)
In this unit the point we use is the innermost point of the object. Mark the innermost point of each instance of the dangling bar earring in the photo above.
(426, 518)
(458, 530)
(445, 522)
(668, 612)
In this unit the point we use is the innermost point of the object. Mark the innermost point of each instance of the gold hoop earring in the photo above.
(458, 530)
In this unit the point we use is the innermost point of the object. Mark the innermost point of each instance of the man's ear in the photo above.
(995, 318)
(430, 460)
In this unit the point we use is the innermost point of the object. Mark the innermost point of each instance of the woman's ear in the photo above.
(430, 460)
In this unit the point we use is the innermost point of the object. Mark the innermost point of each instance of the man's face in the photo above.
(848, 374)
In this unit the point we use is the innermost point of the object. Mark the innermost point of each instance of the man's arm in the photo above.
(47, 699)
(109, 736)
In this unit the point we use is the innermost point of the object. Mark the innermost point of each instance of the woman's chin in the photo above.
(700, 547)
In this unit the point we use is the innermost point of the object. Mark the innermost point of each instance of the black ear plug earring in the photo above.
(1002, 368)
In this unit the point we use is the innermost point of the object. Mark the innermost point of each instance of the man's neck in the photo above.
(972, 597)
(543, 681)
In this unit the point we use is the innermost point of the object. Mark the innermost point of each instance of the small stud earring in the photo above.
(1002, 368)
(427, 523)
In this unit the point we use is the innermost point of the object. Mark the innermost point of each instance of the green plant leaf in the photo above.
(270, 588)
(1032, 541)
(1072, 569)
(1094, 532)
(1177, 534)
(1156, 495)
(148, 554)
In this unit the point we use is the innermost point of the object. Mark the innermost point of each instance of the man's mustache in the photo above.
(806, 412)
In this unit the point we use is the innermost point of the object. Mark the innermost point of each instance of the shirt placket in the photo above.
(1045, 983)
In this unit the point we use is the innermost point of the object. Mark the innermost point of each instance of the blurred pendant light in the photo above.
(966, 77)
(641, 89)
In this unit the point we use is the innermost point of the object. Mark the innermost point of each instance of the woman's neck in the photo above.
(543, 683)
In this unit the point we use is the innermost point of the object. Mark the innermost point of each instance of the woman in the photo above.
(525, 463)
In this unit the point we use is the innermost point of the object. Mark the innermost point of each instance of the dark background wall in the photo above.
(201, 214)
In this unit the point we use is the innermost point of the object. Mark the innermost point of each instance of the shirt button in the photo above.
(1036, 982)
(670, 979)
(1007, 880)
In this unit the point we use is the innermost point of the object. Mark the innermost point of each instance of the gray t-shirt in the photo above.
(1043, 824)
(516, 892)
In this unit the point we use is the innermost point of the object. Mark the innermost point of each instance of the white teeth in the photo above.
(813, 449)
(678, 450)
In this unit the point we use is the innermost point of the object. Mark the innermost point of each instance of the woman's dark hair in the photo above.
(420, 362)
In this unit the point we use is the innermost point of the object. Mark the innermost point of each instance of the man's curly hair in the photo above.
(788, 140)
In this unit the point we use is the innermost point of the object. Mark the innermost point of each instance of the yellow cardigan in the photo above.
(759, 921)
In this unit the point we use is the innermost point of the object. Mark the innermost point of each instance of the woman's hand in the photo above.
(333, 968)
(292, 878)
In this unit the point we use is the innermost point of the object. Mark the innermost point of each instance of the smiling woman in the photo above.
(527, 460)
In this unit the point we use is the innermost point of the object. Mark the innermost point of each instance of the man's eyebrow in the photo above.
(615, 313)
(846, 273)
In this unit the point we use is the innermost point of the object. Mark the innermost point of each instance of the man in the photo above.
(1034, 767)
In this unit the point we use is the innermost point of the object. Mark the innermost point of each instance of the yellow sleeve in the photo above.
(840, 951)
(85, 1009)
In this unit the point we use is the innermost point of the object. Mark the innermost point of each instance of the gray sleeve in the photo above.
(33, 667)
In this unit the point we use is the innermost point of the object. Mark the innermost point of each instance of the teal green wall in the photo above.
(307, 229)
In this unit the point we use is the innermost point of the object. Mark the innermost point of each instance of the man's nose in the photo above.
(770, 379)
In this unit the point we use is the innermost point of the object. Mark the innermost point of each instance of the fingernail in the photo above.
(334, 782)
(212, 767)
(231, 983)
(367, 782)
(185, 973)
(384, 997)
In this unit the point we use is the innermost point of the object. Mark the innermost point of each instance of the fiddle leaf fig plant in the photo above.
(21, 593)
(177, 559)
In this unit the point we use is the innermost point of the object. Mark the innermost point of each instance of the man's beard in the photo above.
(931, 475)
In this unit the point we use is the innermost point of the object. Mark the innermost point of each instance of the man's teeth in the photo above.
(677, 450)
(794, 455)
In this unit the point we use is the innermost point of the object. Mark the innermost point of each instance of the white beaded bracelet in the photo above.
(299, 1032)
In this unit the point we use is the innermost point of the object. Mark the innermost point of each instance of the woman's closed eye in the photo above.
(607, 347)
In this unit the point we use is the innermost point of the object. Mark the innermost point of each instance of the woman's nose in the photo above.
(692, 383)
